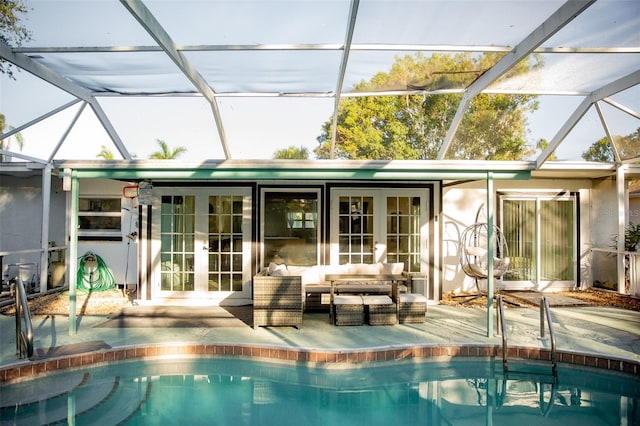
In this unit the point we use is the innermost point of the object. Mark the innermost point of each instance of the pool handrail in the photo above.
(24, 339)
(503, 332)
(545, 313)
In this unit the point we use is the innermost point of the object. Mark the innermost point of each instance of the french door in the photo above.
(380, 225)
(202, 243)
(541, 237)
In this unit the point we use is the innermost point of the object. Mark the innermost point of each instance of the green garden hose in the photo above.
(93, 274)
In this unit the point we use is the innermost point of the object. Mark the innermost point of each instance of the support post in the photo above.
(44, 230)
(620, 189)
(490, 254)
(73, 251)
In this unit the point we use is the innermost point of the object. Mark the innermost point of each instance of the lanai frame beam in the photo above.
(565, 14)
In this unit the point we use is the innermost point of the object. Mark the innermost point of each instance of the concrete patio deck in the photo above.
(601, 337)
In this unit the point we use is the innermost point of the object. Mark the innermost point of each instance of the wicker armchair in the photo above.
(277, 301)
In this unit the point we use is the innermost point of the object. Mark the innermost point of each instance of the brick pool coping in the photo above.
(26, 369)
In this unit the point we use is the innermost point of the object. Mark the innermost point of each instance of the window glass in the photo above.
(291, 228)
(99, 219)
(540, 233)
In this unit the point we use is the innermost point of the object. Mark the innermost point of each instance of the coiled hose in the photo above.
(93, 274)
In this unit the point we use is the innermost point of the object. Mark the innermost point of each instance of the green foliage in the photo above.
(6, 142)
(628, 147)
(599, 151)
(292, 153)
(631, 238)
(105, 153)
(166, 153)
(414, 126)
(11, 29)
(542, 145)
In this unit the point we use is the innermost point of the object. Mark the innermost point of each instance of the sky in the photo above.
(255, 128)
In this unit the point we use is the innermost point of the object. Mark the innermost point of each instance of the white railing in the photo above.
(634, 273)
(604, 269)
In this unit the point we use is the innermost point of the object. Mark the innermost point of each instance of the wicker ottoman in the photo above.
(348, 310)
(412, 308)
(380, 310)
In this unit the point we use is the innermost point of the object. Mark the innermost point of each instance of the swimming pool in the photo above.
(232, 391)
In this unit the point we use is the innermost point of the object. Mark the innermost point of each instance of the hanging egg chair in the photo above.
(474, 247)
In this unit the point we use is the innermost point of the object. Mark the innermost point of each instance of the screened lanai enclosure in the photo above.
(407, 119)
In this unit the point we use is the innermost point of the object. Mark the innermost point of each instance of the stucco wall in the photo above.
(460, 207)
(21, 223)
(604, 212)
(634, 208)
(114, 253)
(461, 204)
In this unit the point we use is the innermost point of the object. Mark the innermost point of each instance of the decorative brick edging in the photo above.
(28, 369)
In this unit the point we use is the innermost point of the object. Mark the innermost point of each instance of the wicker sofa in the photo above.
(314, 288)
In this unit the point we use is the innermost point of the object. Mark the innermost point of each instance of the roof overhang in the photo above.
(584, 170)
(376, 170)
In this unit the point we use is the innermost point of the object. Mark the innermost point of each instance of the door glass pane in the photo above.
(554, 251)
(356, 219)
(291, 228)
(177, 234)
(519, 229)
(556, 240)
(224, 241)
(403, 232)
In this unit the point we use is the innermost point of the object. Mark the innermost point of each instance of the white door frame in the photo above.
(379, 196)
(201, 246)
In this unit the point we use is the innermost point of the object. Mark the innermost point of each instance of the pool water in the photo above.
(225, 391)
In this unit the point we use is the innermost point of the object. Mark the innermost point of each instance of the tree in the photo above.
(105, 153)
(292, 153)
(542, 145)
(11, 29)
(414, 126)
(165, 153)
(628, 147)
(6, 142)
(600, 150)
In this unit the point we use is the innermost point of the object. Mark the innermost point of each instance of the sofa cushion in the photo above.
(377, 300)
(392, 268)
(412, 298)
(278, 270)
(347, 300)
(364, 268)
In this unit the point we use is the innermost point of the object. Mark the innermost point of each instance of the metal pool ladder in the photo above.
(24, 338)
(545, 314)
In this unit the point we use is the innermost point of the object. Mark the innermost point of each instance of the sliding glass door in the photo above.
(541, 235)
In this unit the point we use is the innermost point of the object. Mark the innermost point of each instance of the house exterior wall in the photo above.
(604, 213)
(120, 256)
(634, 208)
(21, 222)
(464, 203)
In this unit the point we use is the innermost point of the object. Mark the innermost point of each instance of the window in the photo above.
(290, 231)
(541, 237)
(99, 219)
